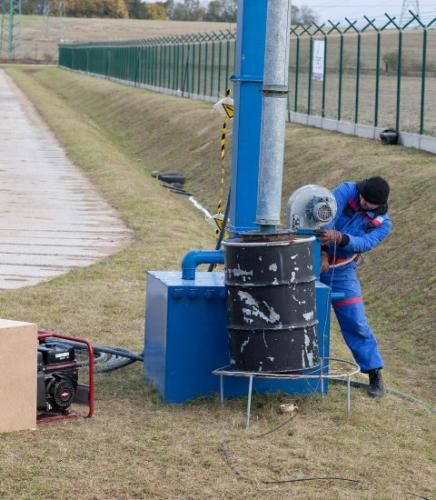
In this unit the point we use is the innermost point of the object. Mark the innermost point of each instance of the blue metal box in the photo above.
(186, 339)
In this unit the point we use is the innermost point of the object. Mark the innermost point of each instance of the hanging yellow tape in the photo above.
(226, 108)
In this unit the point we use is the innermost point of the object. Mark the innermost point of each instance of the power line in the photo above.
(409, 5)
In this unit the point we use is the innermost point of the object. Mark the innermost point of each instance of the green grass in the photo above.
(136, 447)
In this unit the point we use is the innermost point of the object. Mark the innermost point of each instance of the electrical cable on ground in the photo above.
(223, 449)
(312, 479)
(393, 392)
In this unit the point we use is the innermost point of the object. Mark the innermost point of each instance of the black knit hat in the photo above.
(375, 190)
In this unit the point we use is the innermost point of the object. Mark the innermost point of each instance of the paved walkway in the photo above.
(51, 217)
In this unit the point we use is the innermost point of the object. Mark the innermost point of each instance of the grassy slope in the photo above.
(140, 448)
(168, 133)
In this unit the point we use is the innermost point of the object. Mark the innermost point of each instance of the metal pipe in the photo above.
(247, 87)
(275, 91)
(196, 257)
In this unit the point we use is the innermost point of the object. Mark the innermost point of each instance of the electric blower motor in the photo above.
(57, 378)
(310, 207)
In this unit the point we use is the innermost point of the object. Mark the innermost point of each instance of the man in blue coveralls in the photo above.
(361, 223)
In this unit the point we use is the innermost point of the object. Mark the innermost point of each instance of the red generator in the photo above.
(58, 370)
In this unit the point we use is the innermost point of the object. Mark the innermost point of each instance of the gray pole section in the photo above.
(275, 90)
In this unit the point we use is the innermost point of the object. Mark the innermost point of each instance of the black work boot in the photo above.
(376, 386)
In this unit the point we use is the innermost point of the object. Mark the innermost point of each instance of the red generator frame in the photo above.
(42, 334)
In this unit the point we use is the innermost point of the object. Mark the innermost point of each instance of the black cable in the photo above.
(224, 451)
(394, 392)
(311, 479)
(276, 428)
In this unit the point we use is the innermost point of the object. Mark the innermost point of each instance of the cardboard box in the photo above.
(18, 351)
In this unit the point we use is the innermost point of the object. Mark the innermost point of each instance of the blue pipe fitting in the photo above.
(196, 257)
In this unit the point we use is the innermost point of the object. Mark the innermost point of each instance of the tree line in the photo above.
(174, 10)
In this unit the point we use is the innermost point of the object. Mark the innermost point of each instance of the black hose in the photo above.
(116, 366)
(106, 359)
(121, 358)
(394, 392)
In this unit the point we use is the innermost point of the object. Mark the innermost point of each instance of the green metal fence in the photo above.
(199, 64)
(10, 13)
(382, 75)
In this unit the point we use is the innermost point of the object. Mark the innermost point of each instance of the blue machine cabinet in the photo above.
(186, 339)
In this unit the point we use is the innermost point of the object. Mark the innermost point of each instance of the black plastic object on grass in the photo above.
(170, 177)
(389, 136)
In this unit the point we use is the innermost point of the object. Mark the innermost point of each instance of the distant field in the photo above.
(39, 36)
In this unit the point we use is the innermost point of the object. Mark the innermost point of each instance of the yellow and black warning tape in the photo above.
(229, 115)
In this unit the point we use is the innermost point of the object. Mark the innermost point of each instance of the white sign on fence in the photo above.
(318, 60)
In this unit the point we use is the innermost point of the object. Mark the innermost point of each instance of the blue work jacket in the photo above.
(365, 230)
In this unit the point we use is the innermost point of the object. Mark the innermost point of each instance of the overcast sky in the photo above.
(338, 9)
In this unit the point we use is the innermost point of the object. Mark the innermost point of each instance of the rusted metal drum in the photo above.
(271, 304)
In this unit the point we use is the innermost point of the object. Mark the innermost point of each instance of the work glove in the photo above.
(330, 236)
(324, 263)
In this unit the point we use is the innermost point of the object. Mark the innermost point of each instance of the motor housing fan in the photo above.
(310, 207)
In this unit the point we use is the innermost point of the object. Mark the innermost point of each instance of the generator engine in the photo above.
(57, 378)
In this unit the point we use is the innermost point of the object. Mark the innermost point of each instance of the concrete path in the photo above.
(51, 217)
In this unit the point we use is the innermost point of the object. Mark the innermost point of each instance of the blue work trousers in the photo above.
(350, 313)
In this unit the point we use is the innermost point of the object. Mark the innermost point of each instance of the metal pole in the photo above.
(309, 92)
(2, 26)
(356, 111)
(212, 68)
(250, 394)
(341, 73)
(423, 77)
(11, 30)
(275, 91)
(297, 73)
(192, 81)
(220, 44)
(206, 57)
(324, 81)
(199, 72)
(227, 63)
(247, 86)
(377, 79)
(400, 55)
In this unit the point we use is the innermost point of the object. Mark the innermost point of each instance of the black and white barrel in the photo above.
(271, 305)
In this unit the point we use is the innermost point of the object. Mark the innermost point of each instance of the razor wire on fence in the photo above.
(198, 64)
(370, 73)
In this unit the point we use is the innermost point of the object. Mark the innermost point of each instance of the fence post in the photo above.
(324, 82)
(206, 57)
(309, 90)
(335, 27)
(219, 65)
(227, 62)
(212, 68)
(399, 68)
(352, 25)
(377, 79)
(297, 72)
